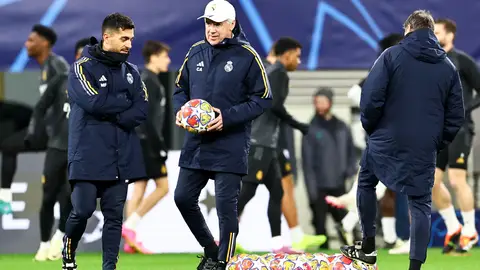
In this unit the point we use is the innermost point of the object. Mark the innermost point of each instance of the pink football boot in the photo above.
(131, 240)
(128, 249)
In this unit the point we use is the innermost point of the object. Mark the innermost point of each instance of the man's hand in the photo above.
(178, 120)
(217, 123)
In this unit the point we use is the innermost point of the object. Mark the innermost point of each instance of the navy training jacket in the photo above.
(107, 102)
(232, 78)
(411, 108)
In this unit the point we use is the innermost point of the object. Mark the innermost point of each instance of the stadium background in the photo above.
(339, 38)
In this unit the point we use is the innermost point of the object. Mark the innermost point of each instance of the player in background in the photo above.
(300, 240)
(263, 159)
(153, 144)
(50, 112)
(270, 59)
(41, 41)
(459, 238)
(348, 200)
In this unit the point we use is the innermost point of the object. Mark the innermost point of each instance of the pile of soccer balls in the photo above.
(318, 261)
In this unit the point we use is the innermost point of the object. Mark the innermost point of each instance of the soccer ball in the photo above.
(343, 263)
(247, 262)
(317, 261)
(196, 115)
(287, 262)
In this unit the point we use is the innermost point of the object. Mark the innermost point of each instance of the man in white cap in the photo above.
(224, 70)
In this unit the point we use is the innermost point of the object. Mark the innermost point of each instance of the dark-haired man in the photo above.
(156, 58)
(14, 129)
(108, 100)
(328, 159)
(263, 160)
(300, 240)
(47, 114)
(51, 113)
(411, 108)
(459, 238)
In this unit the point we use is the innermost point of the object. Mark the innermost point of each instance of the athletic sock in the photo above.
(353, 191)
(469, 223)
(277, 242)
(44, 245)
(58, 235)
(132, 221)
(6, 195)
(389, 230)
(297, 234)
(380, 190)
(350, 221)
(450, 219)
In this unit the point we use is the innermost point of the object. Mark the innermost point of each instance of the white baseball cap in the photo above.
(219, 11)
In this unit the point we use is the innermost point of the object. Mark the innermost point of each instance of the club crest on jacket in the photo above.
(229, 66)
(129, 78)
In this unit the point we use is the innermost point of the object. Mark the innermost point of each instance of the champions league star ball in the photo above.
(307, 261)
(196, 115)
(288, 262)
(318, 261)
(247, 262)
(341, 262)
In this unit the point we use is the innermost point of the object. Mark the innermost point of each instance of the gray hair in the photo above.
(419, 19)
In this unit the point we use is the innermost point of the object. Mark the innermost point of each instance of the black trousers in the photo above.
(112, 196)
(264, 169)
(55, 188)
(227, 187)
(420, 210)
(320, 209)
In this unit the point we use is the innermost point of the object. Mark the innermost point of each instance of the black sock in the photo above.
(368, 245)
(211, 251)
(415, 264)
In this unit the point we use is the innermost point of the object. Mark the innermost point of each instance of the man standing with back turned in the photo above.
(227, 72)
(411, 108)
(107, 101)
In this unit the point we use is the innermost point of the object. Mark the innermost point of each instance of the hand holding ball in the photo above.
(196, 115)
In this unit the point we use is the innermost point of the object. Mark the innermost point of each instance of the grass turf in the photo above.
(93, 261)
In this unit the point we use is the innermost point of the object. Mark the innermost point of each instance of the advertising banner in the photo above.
(335, 34)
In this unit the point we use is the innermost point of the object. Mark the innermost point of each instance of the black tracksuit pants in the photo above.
(227, 187)
(264, 168)
(112, 196)
(55, 188)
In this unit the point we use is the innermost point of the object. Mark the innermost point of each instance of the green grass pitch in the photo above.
(93, 261)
